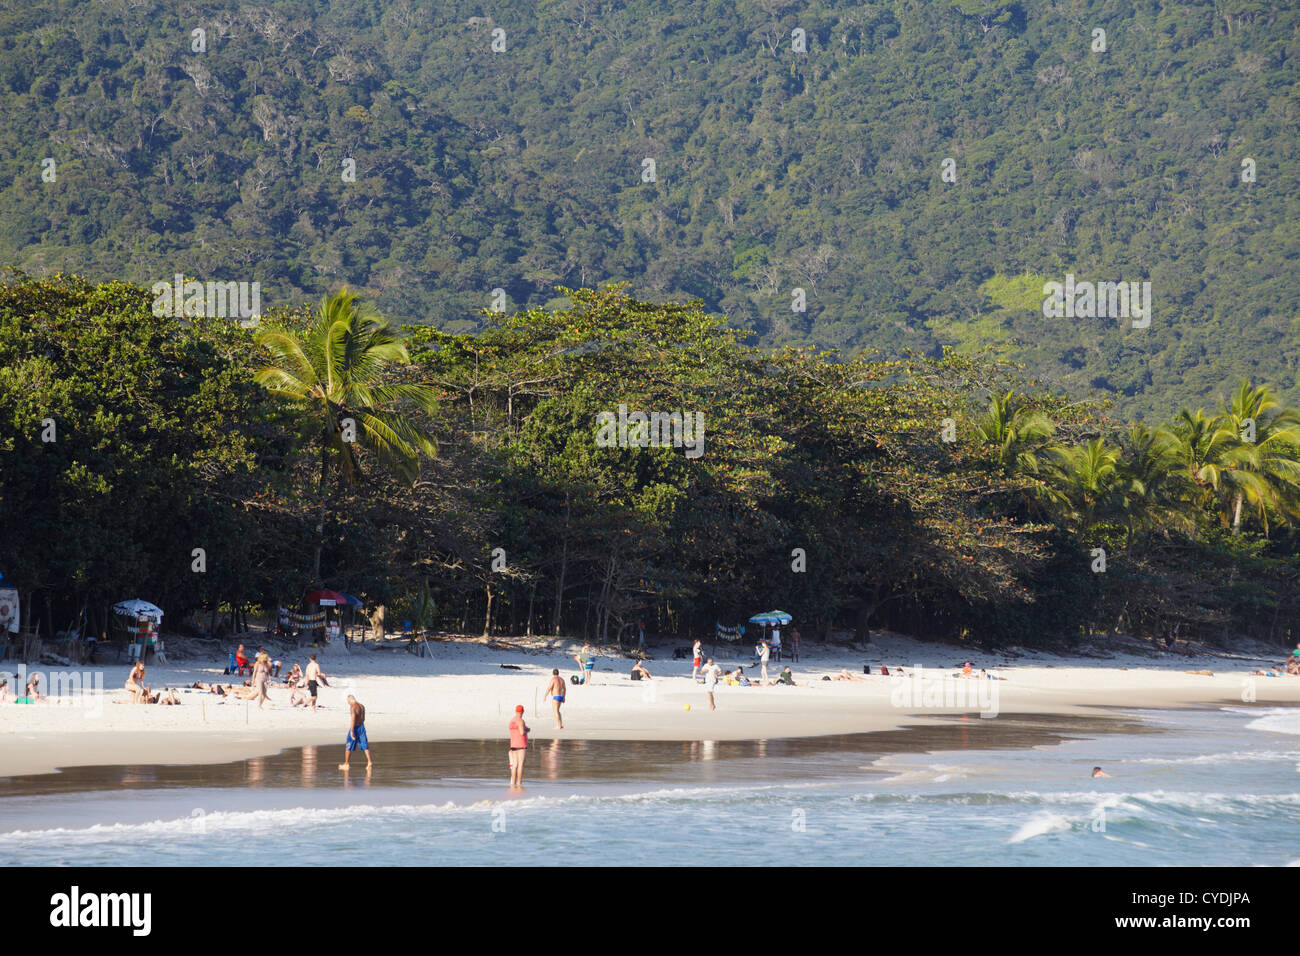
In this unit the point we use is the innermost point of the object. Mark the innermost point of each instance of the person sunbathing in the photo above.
(738, 678)
(845, 675)
(34, 688)
(169, 699)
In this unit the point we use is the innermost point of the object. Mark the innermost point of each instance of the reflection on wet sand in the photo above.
(469, 764)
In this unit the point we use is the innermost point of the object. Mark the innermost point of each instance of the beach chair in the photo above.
(234, 668)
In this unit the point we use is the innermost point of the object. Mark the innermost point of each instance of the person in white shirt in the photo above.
(696, 651)
(764, 653)
(711, 674)
(776, 641)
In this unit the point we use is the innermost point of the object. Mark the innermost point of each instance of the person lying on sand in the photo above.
(169, 699)
(845, 675)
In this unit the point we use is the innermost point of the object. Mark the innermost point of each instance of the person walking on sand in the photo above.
(314, 676)
(696, 651)
(356, 734)
(711, 674)
(261, 671)
(586, 662)
(764, 654)
(518, 747)
(555, 691)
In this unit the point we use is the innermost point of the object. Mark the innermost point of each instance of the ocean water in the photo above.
(1212, 786)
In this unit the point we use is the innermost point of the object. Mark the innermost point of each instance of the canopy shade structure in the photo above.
(771, 617)
(326, 598)
(135, 607)
(352, 600)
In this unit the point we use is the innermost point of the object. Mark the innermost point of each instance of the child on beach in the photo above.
(695, 655)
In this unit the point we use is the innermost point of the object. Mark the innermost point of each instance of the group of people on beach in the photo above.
(303, 686)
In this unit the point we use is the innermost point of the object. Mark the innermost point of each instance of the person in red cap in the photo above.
(518, 747)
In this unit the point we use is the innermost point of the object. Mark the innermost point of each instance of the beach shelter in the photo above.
(327, 598)
(147, 617)
(768, 618)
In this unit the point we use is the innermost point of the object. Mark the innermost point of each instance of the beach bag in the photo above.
(574, 679)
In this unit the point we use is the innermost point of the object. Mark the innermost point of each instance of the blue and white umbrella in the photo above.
(136, 607)
(771, 617)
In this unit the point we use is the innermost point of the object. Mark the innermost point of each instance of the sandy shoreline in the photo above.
(463, 692)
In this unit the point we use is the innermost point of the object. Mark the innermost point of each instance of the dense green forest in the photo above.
(462, 479)
(795, 146)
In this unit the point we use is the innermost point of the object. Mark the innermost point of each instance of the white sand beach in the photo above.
(464, 691)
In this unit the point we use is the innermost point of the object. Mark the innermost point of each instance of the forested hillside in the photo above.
(774, 169)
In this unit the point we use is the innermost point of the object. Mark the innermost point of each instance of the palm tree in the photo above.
(1269, 437)
(1018, 433)
(337, 370)
(1089, 483)
(1151, 463)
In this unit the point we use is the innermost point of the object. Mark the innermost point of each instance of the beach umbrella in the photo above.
(353, 600)
(326, 598)
(135, 607)
(771, 617)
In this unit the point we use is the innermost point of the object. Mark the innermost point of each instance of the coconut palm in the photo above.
(1269, 443)
(1151, 463)
(1089, 485)
(1018, 434)
(338, 369)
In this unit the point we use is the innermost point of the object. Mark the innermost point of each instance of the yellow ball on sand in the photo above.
(688, 707)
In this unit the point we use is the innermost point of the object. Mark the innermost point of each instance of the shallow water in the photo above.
(1190, 787)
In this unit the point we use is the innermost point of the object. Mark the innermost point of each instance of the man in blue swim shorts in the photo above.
(555, 691)
(356, 734)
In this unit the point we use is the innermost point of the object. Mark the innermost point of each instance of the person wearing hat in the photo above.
(518, 747)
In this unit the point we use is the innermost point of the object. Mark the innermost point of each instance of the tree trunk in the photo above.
(487, 617)
(320, 518)
(532, 594)
(862, 630)
(564, 567)
(1236, 514)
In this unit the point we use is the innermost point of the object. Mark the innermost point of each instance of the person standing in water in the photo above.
(356, 734)
(555, 691)
(518, 747)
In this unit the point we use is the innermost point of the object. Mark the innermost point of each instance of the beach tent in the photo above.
(136, 607)
(327, 598)
(771, 617)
